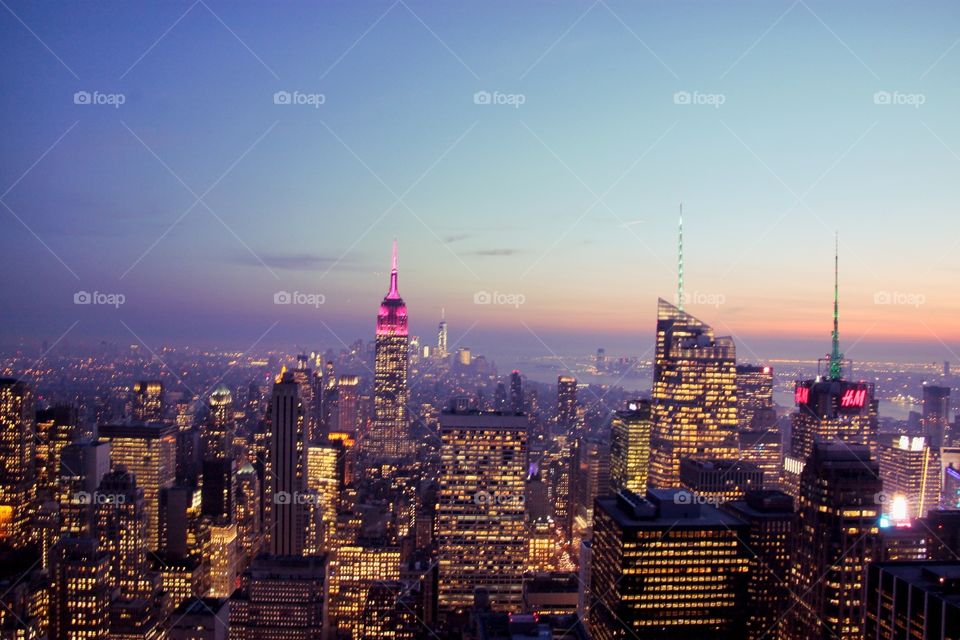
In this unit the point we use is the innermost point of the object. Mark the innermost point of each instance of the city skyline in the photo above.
(558, 186)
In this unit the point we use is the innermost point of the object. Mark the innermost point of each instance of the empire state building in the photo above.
(388, 438)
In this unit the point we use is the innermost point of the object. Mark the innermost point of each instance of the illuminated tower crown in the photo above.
(392, 319)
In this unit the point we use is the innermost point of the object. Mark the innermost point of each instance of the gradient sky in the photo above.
(492, 197)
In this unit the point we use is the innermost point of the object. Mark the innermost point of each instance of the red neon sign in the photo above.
(853, 398)
(801, 395)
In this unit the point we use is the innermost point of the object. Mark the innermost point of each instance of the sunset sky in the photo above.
(198, 198)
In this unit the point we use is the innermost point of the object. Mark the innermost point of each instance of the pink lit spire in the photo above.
(394, 293)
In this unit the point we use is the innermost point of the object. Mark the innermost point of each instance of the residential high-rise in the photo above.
(281, 597)
(630, 447)
(480, 509)
(754, 394)
(56, 427)
(222, 557)
(303, 375)
(17, 460)
(325, 477)
(348, 410)
(770, 516)
(218, 464)
(121, 529)
(217, 436)
(147, 401)
(764, 449)
(148, 451)
(910, 470)
(287, 470)
(837, 535)
(442, 351)
(667, 567)
(936, 415)
(82, 466)
(694, 394)
(566, 404)
(358, 567)
(589, 478)
(913, 600)
(388, 438)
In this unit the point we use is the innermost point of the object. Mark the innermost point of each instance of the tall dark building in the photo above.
(936, 415)
(566, 404)
(286, 473)
(694, 394)
(770, 516)
(17, 460)
(837, 536)
(913, 600)
(516, 392)
(389, 438)
(643, 584)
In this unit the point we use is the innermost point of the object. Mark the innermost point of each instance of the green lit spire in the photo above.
(836, 358)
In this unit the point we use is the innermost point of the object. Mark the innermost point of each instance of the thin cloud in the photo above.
(291, 262)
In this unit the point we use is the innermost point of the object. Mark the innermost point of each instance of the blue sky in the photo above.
(569, 199)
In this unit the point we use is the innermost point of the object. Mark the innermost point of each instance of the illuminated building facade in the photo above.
(769, 515)
(665, 566)
(442, 350)
(121, 529)
(357, 568)
(481, 533)
(325, 469)
(56, 428)
(248, 513)
(281, 597)
(630, 447)
(388, 438)
(348, 409)
(217, 436)
(17, 460)
(837, 536)
(754, 395)
(764, 449)
(694, 394)
(720, 481)
(222, 558)
(80, 595)
(910, 470)
(147, 401)
(541, 545)
(148, 451)
(287, 473)
(936, 415)
(913, 600)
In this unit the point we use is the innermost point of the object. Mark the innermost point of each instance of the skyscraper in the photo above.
(516, 392)
(630, 447)
(566, 403)
(913, 600)
(442, 336)
(287, 472)
(388, 438)
(17, 460)
(480, 510)
(837, 534)
(148, 451)
(667, 567)
(121, 531)
(910, 470)
(720, 480)
(80, 594)
(694, 394)
(936, 415)
(754, 395)
(348, 400)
